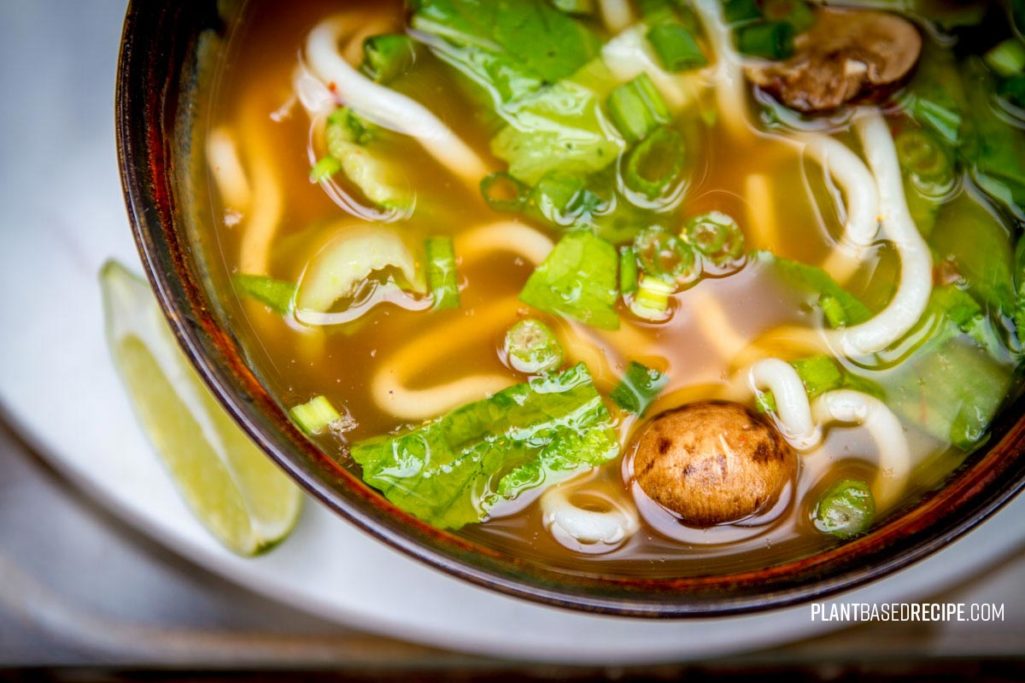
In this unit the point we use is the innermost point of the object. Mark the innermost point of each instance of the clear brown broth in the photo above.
(255, 80)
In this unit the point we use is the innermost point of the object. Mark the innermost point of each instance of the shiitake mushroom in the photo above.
(713, 462)
(847, 55)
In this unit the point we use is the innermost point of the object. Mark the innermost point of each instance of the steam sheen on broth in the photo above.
(652, 288)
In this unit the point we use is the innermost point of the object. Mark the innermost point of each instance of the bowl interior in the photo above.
(169, 52)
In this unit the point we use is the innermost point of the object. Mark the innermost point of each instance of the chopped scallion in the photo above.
(324, 169)
(928, 164)
(651, 302)
(1007, 58)
(387, 57)
(636, 108)
(315, 416)
(1013, 90)
(531, 347)
(442, 277)
(503, 193)
(676, 47)
(717, 237)
(275, 294)
(638, 388)
(767, 39)
(654, 166)
(665, 256)
(845, 510)
(741, 11)
(627, 270)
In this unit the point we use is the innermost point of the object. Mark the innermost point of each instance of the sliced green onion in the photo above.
(387, 57)
(562, 198)
(656, 10)
(797, 13)
(531, 347)
(578, 7)
(665, 256)
(639, 388)
(767, 39)
(277, 295)
(741, 11)
(315, 416)
(442, 277)
(675, 47)
(504, 193)
(651, 302)
(717, 237)
(324, 169)
(1007, 58)
(346, 126)
(845, 510)
(627, 270)
(636, 108)
(834, 311)
(654, 166)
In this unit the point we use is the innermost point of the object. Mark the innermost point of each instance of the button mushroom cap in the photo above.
(712, 463)
(846, 55)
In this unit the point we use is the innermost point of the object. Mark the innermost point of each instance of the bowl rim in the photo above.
(153, 71)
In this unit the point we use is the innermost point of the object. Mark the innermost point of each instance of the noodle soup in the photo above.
(653, 288)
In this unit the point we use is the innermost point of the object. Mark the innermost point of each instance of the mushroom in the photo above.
(712, 463)
(846, 55)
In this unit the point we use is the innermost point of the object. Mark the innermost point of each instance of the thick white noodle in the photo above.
(730, 87)
(226, 168)
(894, 464)
(574, 526)
(386, 107)
(616, 14)
(915, 284)
(795, 415)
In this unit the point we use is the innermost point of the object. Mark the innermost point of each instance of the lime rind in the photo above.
(231, 485)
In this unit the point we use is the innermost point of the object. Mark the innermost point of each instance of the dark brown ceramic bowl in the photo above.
(161, 84)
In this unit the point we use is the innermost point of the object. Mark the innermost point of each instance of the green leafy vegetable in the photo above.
(581, 7)
(639, 388)
(1006, 58)
(979, 247)
(577, 280)
(846, 308)
(741, 11)
(324, 169)
(277, 295)
(994, 148)
(819, 375)
(379, 180)
(442, 277)
(454, 470)
(935, 97)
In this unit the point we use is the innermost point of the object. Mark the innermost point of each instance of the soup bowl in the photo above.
(168, 54)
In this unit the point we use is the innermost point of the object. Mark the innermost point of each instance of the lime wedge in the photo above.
(234, 489)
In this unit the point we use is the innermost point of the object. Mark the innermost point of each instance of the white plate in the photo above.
(63, 216)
